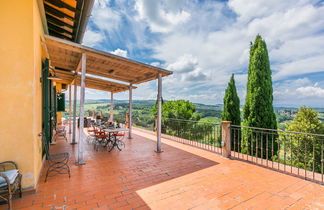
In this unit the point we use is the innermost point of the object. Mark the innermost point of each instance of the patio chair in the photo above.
(91, 138)
(60, 131)
(117, 142)
(57, 163)
(101, 139)
(10, 181)
(119, 136)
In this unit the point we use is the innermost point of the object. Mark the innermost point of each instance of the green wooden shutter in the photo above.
(61, 102)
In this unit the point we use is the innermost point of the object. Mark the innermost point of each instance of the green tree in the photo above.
(178, 109)
(306, 149)
(306, 121)
(231, 111)
(258, 110)
(179, 118)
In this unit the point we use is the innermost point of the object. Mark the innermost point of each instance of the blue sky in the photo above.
(204, 42)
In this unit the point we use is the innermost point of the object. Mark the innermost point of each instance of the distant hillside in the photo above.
(142, 109)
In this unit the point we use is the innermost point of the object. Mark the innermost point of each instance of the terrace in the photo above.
(182, 177)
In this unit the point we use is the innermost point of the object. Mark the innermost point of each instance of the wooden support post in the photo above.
(74, 112)
(226, 139)
(159, 114)
(111, 117)
(70, 109)
(82, 97)
(130, 111)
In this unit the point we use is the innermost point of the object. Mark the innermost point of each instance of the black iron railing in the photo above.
(205, 135)
(297, 153)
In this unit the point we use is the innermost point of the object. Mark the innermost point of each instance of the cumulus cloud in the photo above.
(299, 92)
(161, 17)
(120, 52)
(250, 9)
(105, 17)
(185, 63)
(205, 42)
(311, 91)
(187, 69)
(92, 38)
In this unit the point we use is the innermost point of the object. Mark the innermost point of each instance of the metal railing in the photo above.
(301, 154)
(204, 135)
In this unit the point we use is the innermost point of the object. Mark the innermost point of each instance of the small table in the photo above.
(114, 130)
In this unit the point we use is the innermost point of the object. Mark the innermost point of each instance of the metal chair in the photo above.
(10, 181)
(119, 139)
(57, 163)
(101, 139)
(91, 138)
(60, 131)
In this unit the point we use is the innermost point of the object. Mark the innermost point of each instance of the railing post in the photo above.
(226, 139)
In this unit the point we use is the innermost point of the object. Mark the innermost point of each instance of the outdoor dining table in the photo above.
(114, 139)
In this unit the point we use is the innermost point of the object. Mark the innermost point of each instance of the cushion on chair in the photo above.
(119, 134)
(101, 136)
(11, 174)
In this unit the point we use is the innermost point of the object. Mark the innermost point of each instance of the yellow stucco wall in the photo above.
(38, 57)
(20, 95)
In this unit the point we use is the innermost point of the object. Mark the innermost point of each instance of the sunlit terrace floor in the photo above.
(182, 177)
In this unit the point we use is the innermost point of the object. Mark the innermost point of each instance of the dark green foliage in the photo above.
(204, 132)
(310, 146)
(231, 111)
(179, 109)
(258, 110)
(179, 118)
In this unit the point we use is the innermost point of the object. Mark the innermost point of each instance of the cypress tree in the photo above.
(231, 111)
(258, 110)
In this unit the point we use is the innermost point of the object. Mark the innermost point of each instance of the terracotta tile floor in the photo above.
(182, 177)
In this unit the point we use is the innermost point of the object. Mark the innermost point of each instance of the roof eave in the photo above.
(86, 13)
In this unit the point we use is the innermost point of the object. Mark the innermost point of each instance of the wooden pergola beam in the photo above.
(57, 13)
(57, 21)
(61, 4)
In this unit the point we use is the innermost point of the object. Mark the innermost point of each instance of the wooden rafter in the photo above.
(57, 21)
(92, 82)
(57, 12)
(65, 54)
(62, 4)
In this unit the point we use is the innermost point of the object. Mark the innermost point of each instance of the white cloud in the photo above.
(291, 30)
(92, 38)
(300, 67)
(311, 91)
(185, 63)
(250, 9)
(161, 17)
(299, 92)
(205, 42)
(157, 64)
(105, 17)
(186, 70)
(120, 52)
